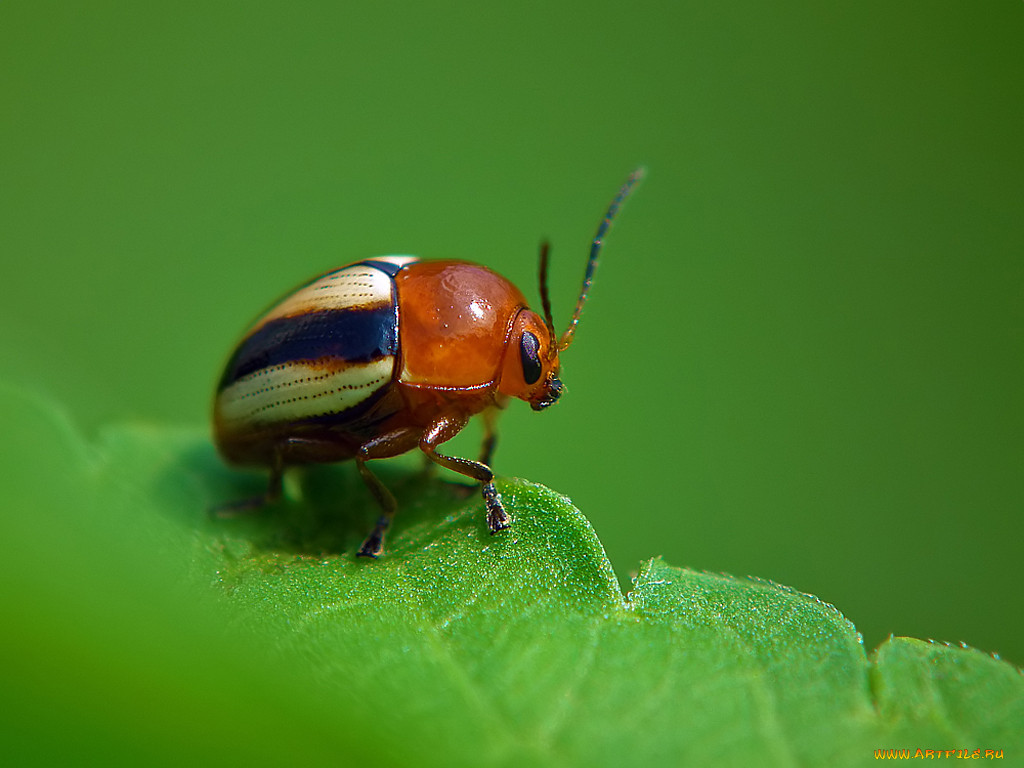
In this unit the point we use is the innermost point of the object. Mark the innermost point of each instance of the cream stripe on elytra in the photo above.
(355, 287)
(300, 390)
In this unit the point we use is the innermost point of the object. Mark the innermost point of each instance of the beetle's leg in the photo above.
(444, 429)
(490, 418)
(381, 447)
(269, 496)
(429, 467)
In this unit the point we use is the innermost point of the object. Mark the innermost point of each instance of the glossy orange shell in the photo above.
(454, 320)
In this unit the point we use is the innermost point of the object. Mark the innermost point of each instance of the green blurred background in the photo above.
(802, 357)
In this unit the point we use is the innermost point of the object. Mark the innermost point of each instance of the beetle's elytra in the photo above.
(386, 355)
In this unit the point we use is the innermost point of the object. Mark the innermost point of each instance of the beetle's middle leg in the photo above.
(382, 447)
(444, 429)
(490, 442)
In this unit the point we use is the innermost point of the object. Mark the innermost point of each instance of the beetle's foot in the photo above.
(497, 517)
(374, 544)
(239, 508)
(251, 504)
(372, 547)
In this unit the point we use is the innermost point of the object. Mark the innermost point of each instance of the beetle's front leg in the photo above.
(444, 429)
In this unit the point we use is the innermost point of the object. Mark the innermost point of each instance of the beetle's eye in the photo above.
(529, 353)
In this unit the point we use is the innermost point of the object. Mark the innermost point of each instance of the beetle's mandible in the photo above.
(387, 355)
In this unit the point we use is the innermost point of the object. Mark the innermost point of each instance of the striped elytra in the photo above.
(384, 356)
(321, 353)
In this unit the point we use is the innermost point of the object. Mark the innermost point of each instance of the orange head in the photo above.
(530, 368)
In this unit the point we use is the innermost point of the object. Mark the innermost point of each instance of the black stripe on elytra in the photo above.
(384, 266)
(353, 335)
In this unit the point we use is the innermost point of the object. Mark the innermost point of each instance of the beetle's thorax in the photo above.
(454, 320)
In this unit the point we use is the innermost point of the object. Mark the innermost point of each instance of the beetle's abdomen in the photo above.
(323, 355)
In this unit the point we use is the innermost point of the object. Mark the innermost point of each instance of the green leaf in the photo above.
(141, 627)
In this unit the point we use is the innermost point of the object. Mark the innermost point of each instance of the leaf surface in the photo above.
(150, 629)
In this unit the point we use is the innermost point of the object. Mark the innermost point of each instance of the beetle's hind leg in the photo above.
(389, 444)
(272, 494)
(286, 451)
(444, 429)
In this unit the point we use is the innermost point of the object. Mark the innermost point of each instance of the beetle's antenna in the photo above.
(545, 299)
(595, 249)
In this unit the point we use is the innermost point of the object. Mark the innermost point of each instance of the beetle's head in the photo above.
(530, 369)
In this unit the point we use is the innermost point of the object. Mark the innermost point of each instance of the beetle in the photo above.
(380, 357)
